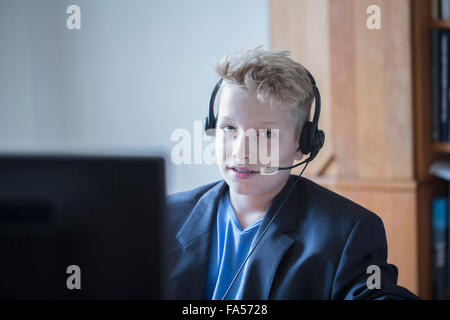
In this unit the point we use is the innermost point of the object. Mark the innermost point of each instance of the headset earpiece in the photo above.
(312, 139)
(319, 140)
(305, 146)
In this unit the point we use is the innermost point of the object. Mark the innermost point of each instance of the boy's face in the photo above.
(239, 114)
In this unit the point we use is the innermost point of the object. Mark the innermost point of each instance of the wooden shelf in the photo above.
(441, 147)
(399, 187)
(442, 24)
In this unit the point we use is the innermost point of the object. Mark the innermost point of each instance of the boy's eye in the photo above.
(228, 129)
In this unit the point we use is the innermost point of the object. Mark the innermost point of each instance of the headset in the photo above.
(311, 141)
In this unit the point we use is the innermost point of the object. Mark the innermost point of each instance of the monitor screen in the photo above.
(81, 227)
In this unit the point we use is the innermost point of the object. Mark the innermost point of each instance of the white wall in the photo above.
(136, 71)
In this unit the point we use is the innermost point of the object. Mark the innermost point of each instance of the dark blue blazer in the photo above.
(318, 247)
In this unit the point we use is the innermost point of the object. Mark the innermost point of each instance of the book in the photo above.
(434, 9)
(440, 247)
(435, 83)
(445, 9)
(447, 289)
(441, 169)
(443, 123)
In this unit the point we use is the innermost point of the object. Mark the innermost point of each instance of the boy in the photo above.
(260, 236)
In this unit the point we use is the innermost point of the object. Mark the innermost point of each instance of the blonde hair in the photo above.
(273, 77)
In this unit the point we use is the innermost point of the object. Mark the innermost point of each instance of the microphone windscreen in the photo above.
(268, 171)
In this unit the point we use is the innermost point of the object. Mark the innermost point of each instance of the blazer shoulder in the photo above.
(189, 197)
(180, 204)
(335, 218)
(333, 205)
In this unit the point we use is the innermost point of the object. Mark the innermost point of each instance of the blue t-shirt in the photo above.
(230, 245)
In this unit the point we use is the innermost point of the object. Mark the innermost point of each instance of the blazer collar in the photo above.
(261, 268)
(202, 215)
(285, 206)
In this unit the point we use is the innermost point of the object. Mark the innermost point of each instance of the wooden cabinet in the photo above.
(376, 113)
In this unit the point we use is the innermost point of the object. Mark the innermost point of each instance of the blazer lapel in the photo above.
(187, 279)
(261, 267)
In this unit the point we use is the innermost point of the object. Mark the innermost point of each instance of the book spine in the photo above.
(447, 93)
(447, 290)
(435, 83)
(434, 9)
(445, 9)
(440, 231)
(444, 86)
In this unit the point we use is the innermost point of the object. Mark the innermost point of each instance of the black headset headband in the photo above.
(311, 138)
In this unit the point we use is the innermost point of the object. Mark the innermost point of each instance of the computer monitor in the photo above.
(81, 227)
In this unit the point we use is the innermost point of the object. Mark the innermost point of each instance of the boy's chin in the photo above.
(244, 190)
(255, 185)
(249, 187)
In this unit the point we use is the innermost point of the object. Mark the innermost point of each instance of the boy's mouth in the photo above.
(242, 172)
(241, 169)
